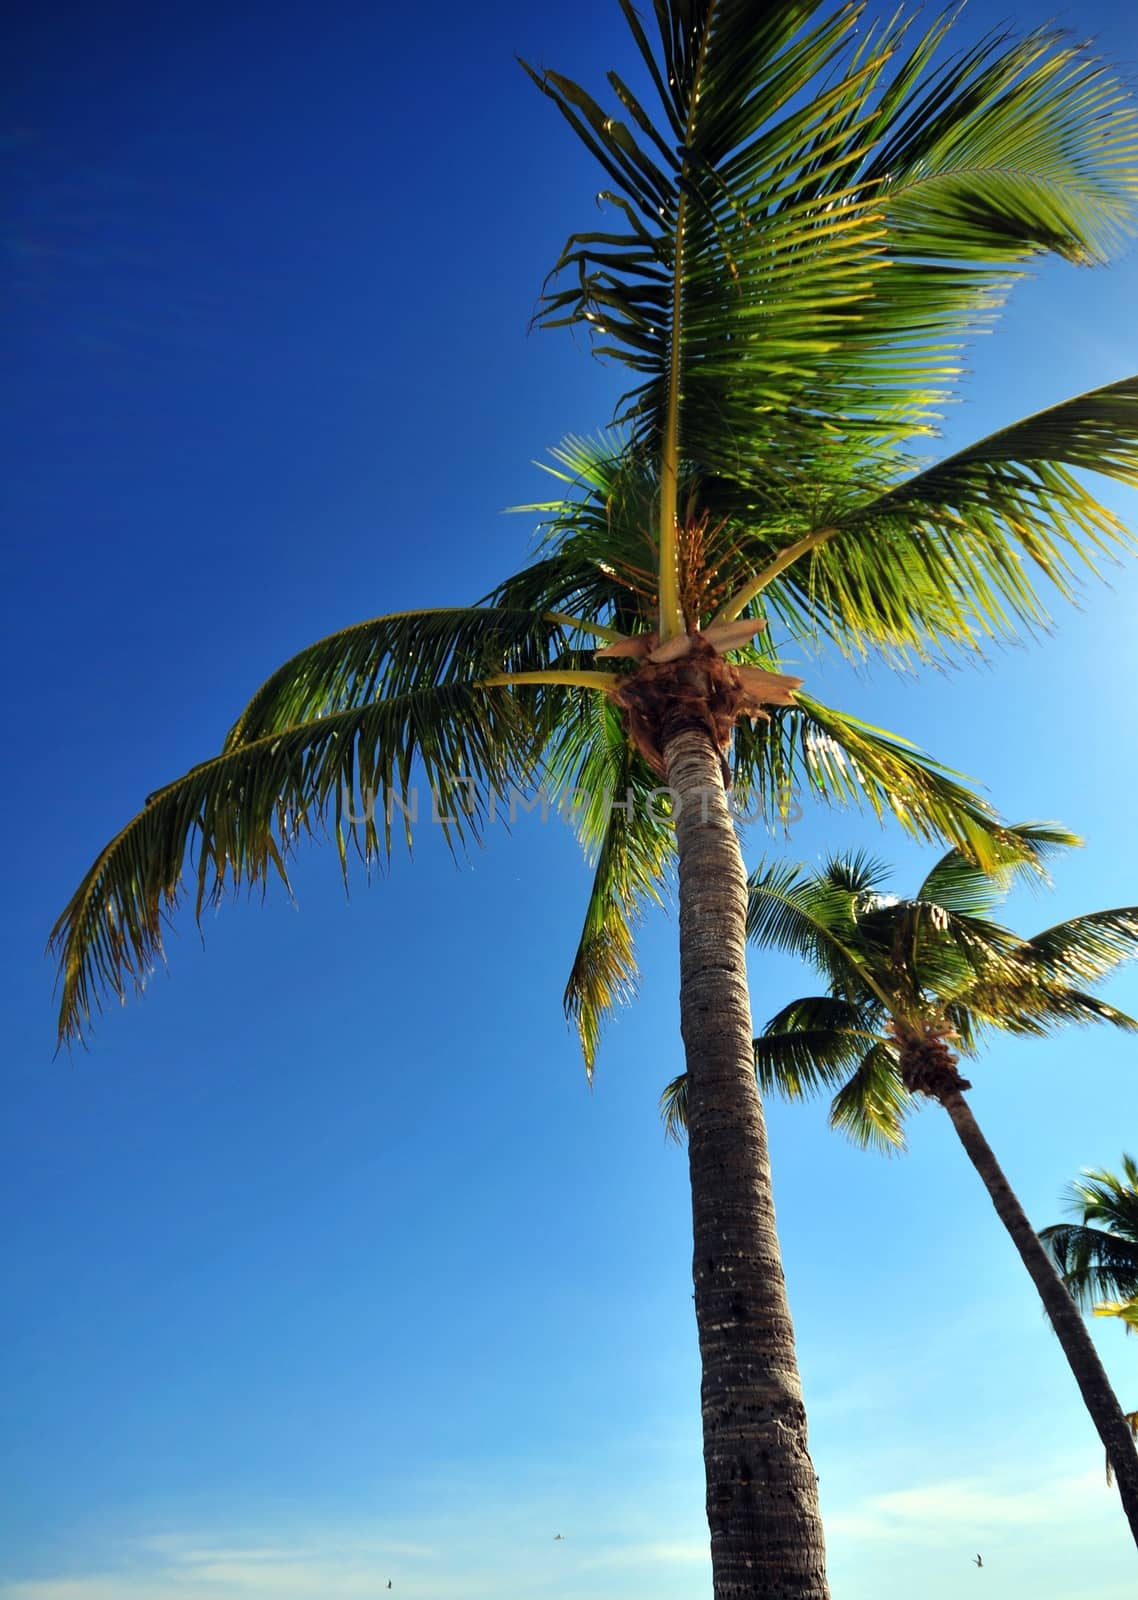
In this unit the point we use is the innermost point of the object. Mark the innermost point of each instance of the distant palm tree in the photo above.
(1098, 1255)
(908, 980)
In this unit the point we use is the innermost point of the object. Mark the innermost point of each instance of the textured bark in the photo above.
(1070, 1329)
(762, 1492)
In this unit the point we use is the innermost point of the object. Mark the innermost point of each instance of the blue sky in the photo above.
(324, 1266)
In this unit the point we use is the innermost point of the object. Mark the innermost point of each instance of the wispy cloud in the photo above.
(941, 1512)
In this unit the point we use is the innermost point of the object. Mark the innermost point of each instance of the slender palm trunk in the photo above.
(1070, 1329)
(762, 1492)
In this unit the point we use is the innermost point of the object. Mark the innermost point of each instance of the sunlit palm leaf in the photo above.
(1087, 948)
(790, 161)
(960, 885)
(838, 758)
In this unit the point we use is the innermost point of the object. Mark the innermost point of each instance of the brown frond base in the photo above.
(927, 1065)
(700, 689)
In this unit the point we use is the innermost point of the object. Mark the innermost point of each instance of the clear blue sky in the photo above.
(324, 1266)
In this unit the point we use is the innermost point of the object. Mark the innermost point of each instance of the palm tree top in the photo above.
(802, 236)
(911, 981)
(807, 215)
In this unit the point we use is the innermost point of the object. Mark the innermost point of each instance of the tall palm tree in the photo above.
(1098, 1255)
(909, 983)
(803, 238)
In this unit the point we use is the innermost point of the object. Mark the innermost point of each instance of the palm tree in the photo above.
(1098, 1255)
(803, 239)
(907, 980)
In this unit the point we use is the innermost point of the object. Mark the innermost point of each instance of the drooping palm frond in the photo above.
(625, 830)
(820, 212)
(838, 758)
(674, 1108)
(813, 1043)
(979, 523)
(1024, 1002)
(1087, 948)
(232, 822)
(871, 1106)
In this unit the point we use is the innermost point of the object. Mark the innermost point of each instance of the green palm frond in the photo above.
(674, 1108)
(960, 885)
(871, 1106)
(812, 1044)
(1127, 1312)
(1024, 1002)
(1098, 1255)
(232, 822)
(919, 948)
(608, 790)
(388, 656)
(790, 909)
(805, 228)
(838, 758)
(1095, 1264)
(979, 523)
(1087, 948)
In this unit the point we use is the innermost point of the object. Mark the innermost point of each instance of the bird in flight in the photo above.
(978, 1561)
(557, 1536)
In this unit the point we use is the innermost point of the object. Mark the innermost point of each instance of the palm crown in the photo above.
(802, 242)
(905, 978)
(803, 233)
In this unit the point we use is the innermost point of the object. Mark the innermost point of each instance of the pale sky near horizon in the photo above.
(323, 1265)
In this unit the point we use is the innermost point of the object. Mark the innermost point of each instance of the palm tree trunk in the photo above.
(762, 1492)
(1070, 1329)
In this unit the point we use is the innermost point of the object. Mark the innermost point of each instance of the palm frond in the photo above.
(232, 822)
(812, 1044)
(608, 789)
(981, 522)
(1086, 948)
(838, 758)
(674, 1108)
(960, 885)
(388, 656)
(870, 1108)
(1127, 1312)
(1094, 1263)
(1020, 1001)
(790, 909)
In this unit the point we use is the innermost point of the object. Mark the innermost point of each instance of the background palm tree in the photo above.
(1098, 1255)
(803, 237)
(906, 981)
